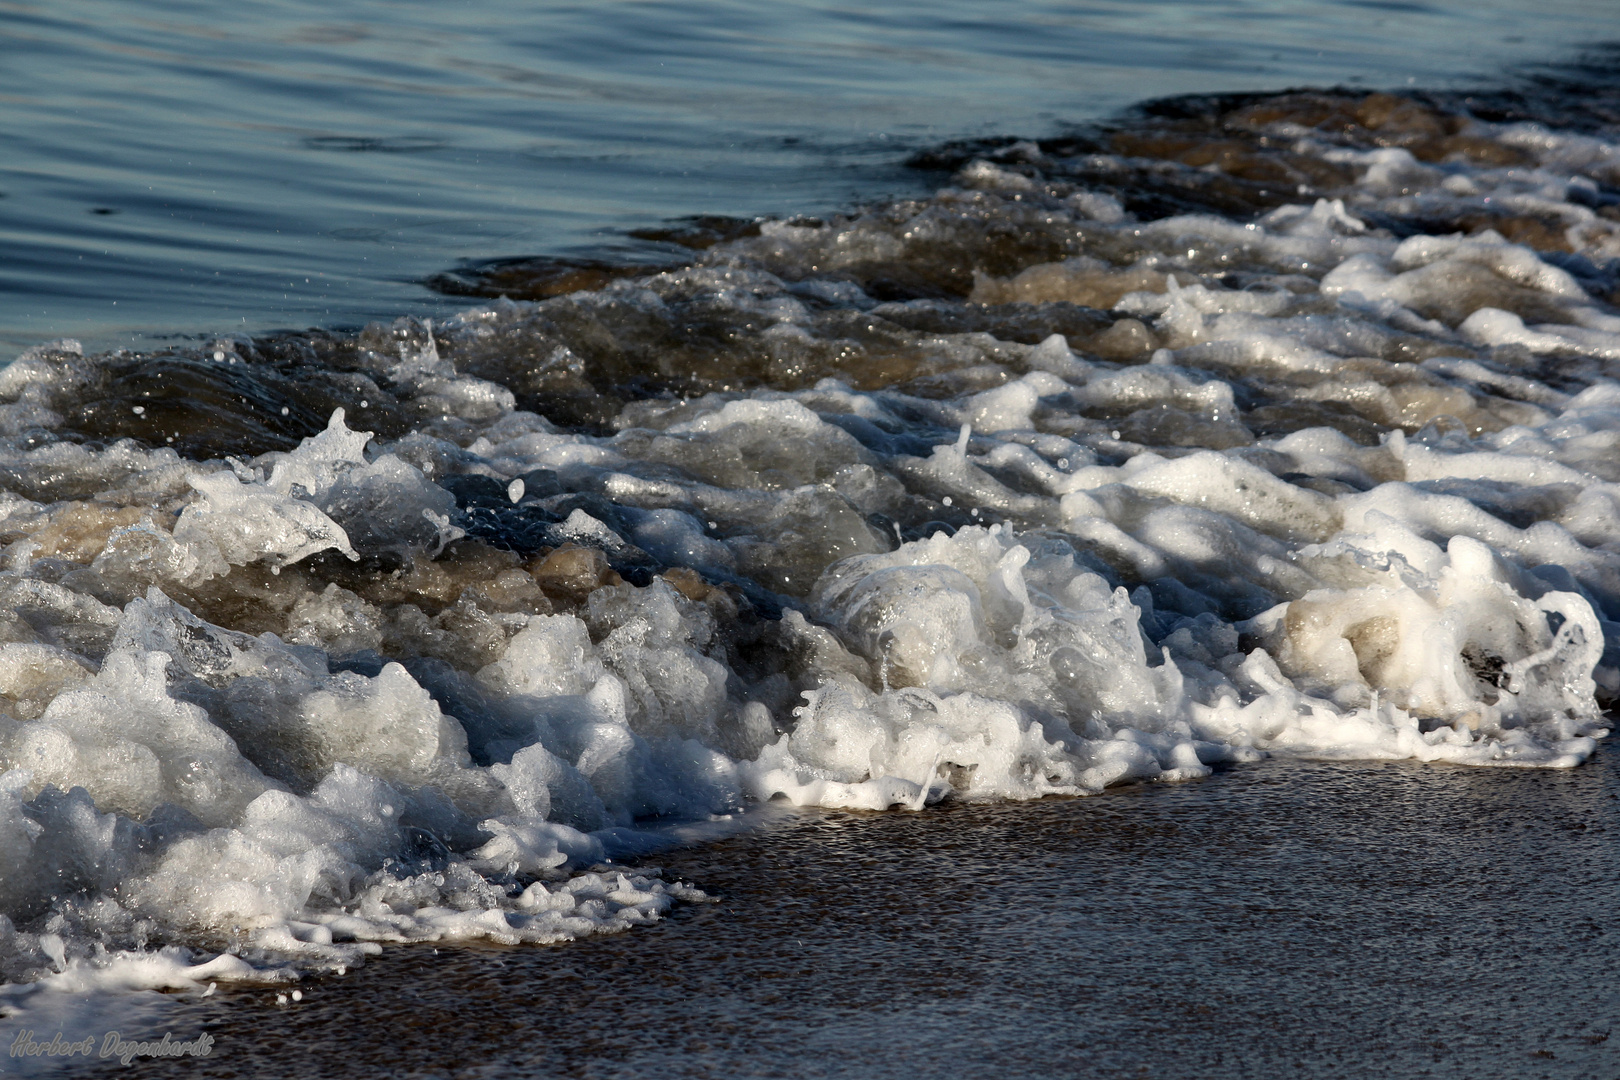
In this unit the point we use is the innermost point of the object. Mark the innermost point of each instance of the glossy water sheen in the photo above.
(182, 167)
(1280, 920)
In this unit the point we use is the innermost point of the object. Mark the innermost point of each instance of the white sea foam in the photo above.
(1001, 570)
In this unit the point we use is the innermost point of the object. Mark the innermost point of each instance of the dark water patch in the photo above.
(1029, 324)
(1271, 421)
(1391, 5)
(536, 277)
(361, 144)
(699, 232)
(245, 396)
(206, 408)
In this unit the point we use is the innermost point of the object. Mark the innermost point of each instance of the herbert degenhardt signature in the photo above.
(110, 1045)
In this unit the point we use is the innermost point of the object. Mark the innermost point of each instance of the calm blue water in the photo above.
(177, 167)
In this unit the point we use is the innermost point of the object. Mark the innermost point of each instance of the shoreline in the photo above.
(1283, 918)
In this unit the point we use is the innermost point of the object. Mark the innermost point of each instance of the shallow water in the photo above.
(1224, 428)
(1280, 919)
(183, 169)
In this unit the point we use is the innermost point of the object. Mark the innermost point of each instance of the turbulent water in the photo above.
(1239, 426)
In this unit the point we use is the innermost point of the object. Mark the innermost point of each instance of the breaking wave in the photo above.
(1246, 426)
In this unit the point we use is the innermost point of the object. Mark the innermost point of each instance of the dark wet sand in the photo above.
(1280, 919)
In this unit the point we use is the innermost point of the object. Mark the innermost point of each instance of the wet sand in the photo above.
(1280, 919)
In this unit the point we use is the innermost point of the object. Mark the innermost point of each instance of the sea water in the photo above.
(180, 168)
(1234, 427)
